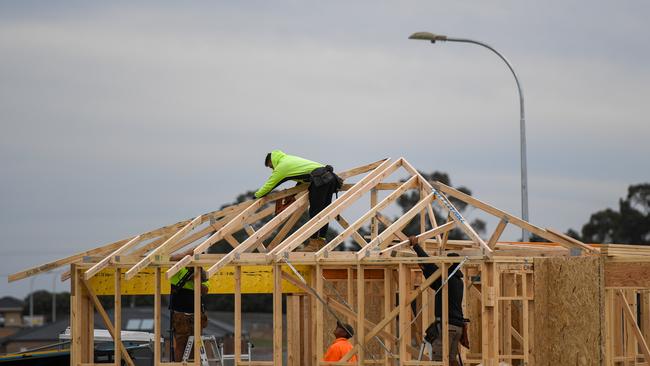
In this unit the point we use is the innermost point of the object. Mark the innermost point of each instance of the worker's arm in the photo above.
(427, 268)
(205, 282)
(275, 179)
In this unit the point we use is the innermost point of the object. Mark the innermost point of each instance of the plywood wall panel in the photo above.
(569, 318)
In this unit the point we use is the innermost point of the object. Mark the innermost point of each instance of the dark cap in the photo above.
(346, 327)
(267, 160)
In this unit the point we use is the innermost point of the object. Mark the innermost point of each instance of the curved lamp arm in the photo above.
(522, 120)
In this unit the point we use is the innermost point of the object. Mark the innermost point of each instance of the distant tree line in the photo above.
(43, 304)
(630, 224)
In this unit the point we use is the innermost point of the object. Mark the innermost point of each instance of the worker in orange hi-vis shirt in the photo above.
(341, 345)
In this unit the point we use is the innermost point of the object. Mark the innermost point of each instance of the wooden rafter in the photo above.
(397, 225)
(296, 206)
(409, 184)
(512, 219)
(397, 235)
(164, 246)
(106, 261)
(454, 213)
(506, 270)
(331, 211)
(444, 228)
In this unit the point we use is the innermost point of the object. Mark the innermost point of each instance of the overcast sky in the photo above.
(118, 117)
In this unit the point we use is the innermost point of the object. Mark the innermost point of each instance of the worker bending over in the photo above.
(323, 182)
(341, 346)
(457, 323)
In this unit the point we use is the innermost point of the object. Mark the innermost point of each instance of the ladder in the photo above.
(205, 361)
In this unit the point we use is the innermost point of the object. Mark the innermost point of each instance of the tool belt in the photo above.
(183, 323)
(433, 332)
(323, 176)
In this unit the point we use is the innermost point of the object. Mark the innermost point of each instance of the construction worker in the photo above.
(341, 346)
(457, 323)
(181, 305)
(323, 182)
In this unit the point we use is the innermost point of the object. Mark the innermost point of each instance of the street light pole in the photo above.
(31, 302)
(522, 120)
(54, 276)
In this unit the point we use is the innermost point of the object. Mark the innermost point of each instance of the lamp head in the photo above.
(426, 36)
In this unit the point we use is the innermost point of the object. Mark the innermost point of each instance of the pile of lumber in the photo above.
(621, 250)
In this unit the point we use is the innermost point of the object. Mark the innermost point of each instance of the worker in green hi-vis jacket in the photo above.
(323, 182)
(181, 306)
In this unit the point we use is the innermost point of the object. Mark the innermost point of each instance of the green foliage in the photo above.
(629, 225)
(43, 304)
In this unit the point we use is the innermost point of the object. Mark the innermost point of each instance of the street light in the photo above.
(426, 36)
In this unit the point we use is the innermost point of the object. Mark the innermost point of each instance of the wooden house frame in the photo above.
(517, 295)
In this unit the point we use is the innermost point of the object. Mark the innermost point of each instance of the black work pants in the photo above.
(319, 198)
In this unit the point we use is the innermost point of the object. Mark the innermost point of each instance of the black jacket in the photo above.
(456, 288)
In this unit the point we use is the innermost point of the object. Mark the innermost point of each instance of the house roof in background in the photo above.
(10, 303)
(135, 319)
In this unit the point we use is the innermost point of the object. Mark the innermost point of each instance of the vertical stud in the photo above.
(156, 323)
(277, 314)
(117, 315)
(237, 314)
(361, 313)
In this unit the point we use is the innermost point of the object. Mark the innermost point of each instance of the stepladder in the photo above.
(216, 356)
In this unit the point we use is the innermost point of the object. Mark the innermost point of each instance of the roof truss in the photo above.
(153, 246)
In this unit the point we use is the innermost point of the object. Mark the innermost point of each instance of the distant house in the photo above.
(11, 310)
(11, 320)
(28, 338)
(134, 319)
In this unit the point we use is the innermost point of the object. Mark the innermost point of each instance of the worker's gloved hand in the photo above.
(413, 240)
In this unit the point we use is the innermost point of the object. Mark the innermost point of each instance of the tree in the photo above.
(43, 304)
(630, 224)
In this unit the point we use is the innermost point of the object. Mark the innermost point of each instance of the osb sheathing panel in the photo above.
(569, 321)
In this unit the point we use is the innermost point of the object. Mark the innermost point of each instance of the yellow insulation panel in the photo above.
(254, 280)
